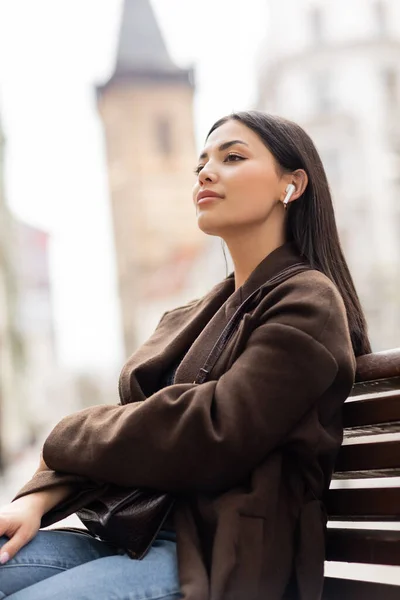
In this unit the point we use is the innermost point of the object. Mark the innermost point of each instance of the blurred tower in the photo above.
(334, 67)
(146, 109)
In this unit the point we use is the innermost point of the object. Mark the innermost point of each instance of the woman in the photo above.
(249, 452)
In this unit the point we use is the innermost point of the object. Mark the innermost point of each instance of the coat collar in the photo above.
(279, 259)
(282, 257)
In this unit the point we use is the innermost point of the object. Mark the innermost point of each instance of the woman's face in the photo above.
(237, 166)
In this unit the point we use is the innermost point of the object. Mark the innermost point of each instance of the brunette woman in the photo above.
(246, 443)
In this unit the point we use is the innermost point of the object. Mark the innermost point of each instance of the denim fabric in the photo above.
(60, 565)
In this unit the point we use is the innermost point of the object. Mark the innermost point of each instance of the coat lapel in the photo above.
(201, 346)
(140, 377)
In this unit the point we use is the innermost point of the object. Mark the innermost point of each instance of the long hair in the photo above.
(310, 221)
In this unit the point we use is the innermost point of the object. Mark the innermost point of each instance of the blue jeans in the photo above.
(60, 565)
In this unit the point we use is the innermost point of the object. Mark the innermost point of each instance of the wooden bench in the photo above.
(373, 408)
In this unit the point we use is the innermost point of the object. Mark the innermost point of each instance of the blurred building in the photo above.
(334, 67)
(35, 314)
(30, 381)
(36, 325)
(13, 423)
(147, 110)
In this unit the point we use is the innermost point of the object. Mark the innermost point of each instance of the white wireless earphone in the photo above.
(289, 193)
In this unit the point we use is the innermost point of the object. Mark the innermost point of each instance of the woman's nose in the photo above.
(207, 175)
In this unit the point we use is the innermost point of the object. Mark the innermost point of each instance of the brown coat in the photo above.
(249, 453)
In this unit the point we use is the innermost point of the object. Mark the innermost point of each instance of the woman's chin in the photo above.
(206, 226)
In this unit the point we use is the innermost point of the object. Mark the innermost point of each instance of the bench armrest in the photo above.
(379, 365)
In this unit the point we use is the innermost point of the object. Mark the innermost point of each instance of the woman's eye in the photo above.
(229, 158)
(233, 157)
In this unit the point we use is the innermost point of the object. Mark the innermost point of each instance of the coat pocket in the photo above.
(309, 561)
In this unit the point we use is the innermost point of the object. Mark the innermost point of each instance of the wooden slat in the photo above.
(347, 589)
(370, 474)
(363, 546)
(375, 387)
(369, 456)
(379, 365)
(356, 432)
(372, 411)
(373, 504)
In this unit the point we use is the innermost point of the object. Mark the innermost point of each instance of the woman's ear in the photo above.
(295, 185)
(299, 178)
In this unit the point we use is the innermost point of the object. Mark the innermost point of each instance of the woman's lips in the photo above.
(208, 199)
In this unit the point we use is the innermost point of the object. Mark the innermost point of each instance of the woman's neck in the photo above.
(248, 250)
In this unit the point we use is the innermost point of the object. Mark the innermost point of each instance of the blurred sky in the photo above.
(51, 54)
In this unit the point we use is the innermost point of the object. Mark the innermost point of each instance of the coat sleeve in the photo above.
(206, 437)
(83, 491)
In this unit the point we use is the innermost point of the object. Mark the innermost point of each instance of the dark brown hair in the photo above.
(311, 221)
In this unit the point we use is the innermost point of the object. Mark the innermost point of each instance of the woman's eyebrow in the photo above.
(224, 146)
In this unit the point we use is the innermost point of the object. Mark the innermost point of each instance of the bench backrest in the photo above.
(370, 460)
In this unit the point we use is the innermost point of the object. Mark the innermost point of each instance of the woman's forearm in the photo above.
(45, 500)
(48, 499)
(56, 495)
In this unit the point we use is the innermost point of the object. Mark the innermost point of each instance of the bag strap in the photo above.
(230, 327)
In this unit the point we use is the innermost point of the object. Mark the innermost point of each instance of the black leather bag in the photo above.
(131, 519)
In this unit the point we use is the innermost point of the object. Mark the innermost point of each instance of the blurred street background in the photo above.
(104, 107)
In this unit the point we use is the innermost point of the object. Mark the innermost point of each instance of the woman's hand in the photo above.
(20, 520)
